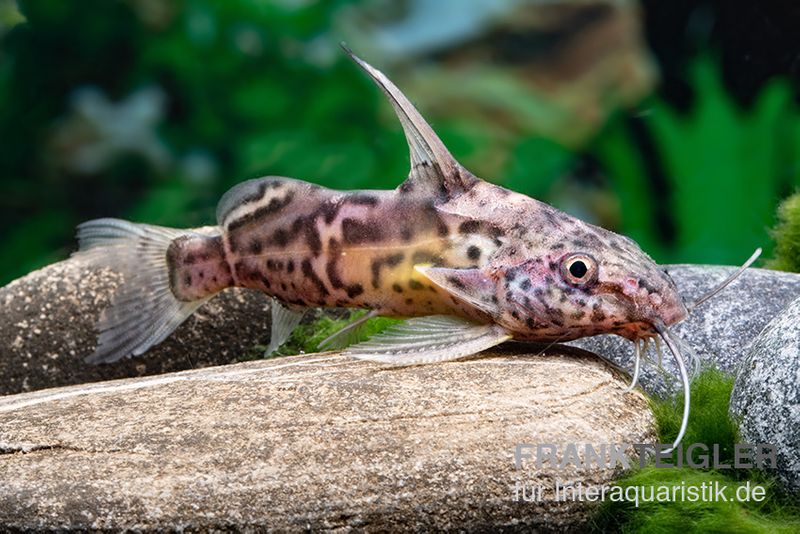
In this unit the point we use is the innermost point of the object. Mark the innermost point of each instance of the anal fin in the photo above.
(284, 321)
(436, 338)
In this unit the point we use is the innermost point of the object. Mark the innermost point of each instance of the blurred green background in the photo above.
(675, 123)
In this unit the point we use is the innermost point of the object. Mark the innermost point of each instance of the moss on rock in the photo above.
(787, 236)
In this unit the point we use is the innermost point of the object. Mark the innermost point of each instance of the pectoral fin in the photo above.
(470, 285)
(433, 169)
(436, 338)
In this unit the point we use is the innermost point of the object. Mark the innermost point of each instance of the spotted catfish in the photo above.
(471, 263)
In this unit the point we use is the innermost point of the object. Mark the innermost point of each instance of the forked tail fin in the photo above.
(144, 309)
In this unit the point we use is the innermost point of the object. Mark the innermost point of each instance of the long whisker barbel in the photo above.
(637, 365)
(666, 336)
(692, 305)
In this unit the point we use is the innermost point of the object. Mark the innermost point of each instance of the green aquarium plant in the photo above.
(711, 425)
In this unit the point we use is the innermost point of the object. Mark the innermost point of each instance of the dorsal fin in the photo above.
(433, 168)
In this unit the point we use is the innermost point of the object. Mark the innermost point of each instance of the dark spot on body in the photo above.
(474, 253)
(265, 281)
(355, 231)
(328, 210)
(308, 272)
(469, 227)
(391, 260)
(312, 238)
(413, 284)
(331, 269)
(275, 205)
(362, 199)
(397, 288)
(598, 315)
(354, 290)
(280, 238)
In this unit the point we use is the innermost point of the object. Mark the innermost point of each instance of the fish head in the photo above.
(594, 282)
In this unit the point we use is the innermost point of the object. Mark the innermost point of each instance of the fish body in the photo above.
(443, 243)
(407, 254)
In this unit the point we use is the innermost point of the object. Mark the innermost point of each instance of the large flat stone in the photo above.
(312, 442)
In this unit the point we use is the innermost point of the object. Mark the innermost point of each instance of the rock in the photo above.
(766, 394)
(47, 328)
(720, 331)
(312, 442)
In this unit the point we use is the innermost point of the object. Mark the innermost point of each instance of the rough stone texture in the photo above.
(47, 327)
(766, 395)
(720, 331)
(319, 441)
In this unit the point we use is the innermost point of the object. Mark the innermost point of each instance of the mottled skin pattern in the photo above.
(443, 243)
(497, 256)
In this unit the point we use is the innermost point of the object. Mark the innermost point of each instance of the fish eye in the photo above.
(579, 269)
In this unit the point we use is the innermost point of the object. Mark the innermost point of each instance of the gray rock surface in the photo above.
(720, 331)
(766, 394)
(312, 442)
(47, 327)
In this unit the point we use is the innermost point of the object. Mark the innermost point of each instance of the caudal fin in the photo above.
(143, 310)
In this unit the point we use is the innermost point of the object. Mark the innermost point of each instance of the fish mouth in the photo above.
(681, 352)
